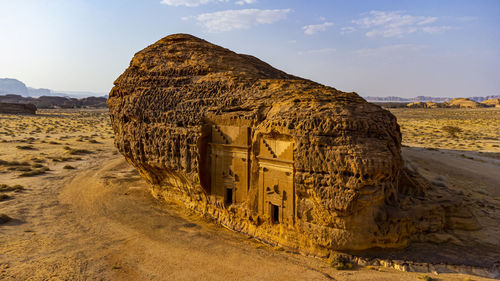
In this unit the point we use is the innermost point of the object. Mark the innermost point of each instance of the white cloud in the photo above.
(243, 2)
(318, 51)
(190, 3)
(395, 24)
(347, 30)
(239, 19)
(315, 28)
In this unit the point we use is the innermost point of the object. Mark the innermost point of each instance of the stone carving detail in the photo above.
(276, 184)
(275, 156)
(229, 167)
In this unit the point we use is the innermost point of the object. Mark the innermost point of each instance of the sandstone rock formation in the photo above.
(17, 108)
(492, 102)
(462, 103)
(431, 104)
(420, 104)
(275, 156)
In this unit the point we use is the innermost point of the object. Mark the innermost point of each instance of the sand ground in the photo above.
(99, 222)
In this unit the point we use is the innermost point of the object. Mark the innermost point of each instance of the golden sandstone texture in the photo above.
(280, 158)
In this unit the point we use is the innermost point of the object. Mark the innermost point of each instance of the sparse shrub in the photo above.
(69, 167)
(25, 147)
(77, 151)
(80, 152)
(452, 130)
(6, 188)
(19, 169)
(4, 218)
(34, 172)
(38, 160)
(4, 197)
(427, 278)
(340, 262)
(13, 163)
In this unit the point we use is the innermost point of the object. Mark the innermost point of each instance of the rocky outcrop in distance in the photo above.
(280, 158)
(17, 108)
(462, 103)
(420, 104)
(491, 102)
(57, 102)
(453, 103)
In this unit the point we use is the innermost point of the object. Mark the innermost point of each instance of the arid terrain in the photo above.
(73, 209)
(475, 129)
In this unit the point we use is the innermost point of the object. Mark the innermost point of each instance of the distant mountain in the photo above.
(9, 86)
(481, 99)
(12, 86)
(55, 101)
(32, 92)
(424, 99)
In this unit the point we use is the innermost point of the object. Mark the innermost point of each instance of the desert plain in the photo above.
(73, 209)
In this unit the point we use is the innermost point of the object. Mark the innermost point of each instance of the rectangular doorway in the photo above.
(275, 213)
(229, 196)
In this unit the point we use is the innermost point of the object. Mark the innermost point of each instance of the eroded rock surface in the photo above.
(275, 156)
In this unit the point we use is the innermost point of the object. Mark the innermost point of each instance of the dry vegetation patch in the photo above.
(451, 128)
(33, 145)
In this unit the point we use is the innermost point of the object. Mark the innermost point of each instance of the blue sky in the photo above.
(377, 48)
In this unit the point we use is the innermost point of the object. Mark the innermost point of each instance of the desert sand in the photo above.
(98, 221)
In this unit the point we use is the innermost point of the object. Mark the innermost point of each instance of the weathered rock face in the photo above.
(269, 154)
(17, 108)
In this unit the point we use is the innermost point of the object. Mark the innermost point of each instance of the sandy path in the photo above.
(100, 223)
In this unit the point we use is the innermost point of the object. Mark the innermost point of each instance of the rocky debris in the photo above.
(275, 156)
(17, 108)
(462, 103)
(56, 101)
(492, 102)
